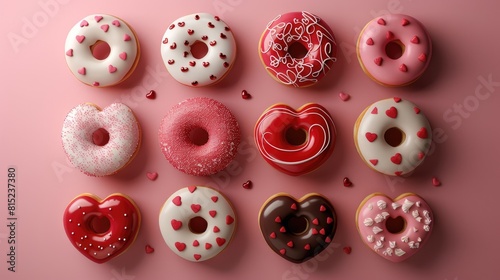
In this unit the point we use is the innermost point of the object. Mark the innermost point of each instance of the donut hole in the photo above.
(297, 50)
(394, 49)
(100, 50)
(199, 49)
(198, 136)
(394, 136)
(99, 224)
(295, 136)
(100, 137)
(395, 225)
(296, 225)
(197, 225)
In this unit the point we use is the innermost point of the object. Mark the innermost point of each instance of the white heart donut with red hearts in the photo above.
(180, 223)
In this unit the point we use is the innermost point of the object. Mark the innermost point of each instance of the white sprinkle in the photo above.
(85, 249)
(124, 240)
(427, 221)
(78, 224)
(385, 214)
(109, 208)
(95, 254)
(381, 204)
(72, 233)
(417, 203)
(70, 220)
(368, 222)
(90, 245)
(376, 230)
(392, 244)
(415, 229)
(395, 205)
(388, 252)
(379, 218)
(419, 239)
(404, 239)
(83, 213)
(370, 238)
(419, 219)
(382, 238)
(378, 245)
(370, 206)
(415, 213)
(125, 228)
(427, 228)
(407, 205)
(399, 252)
(125, 215)
(109, 254)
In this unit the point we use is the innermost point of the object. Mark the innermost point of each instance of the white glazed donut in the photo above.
(177, 218)
(193, 29)
(91, 31)
(101, 142)
(392, 136)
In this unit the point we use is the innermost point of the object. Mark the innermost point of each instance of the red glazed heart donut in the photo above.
(297, 230)
(297, 49)
(101, 229)
(295, 141)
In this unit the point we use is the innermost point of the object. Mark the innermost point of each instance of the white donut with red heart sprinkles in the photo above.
(197, 223)
(99, 68)
(393, 136)
(198, 49)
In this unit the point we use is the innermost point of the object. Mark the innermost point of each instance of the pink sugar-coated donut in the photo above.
(285, 32)
(190, 156)
(394, 30)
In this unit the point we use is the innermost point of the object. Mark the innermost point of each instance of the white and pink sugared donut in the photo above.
(101, 142)
(297, 48)
(185, 59)
(199, 136)
(197, 223)
(394, 50)
(392, 136)
(103, 69)
(397, 228)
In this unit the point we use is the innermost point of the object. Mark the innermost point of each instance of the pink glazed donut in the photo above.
(394, 50)
(297, 49)
(199, 136)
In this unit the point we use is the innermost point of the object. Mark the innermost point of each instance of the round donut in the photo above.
(102, 229)
(101, 142)
(101, 70)
(394, 229)
(199, 136)
(392, 136)
(197, 223)
(394, 50)
(297, 230)
(197, 68)
(295, 141)
(297, 48)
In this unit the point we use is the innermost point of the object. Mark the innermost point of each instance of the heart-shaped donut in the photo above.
(297, 229)
(101, 229)
(295, 141)
(396, 228)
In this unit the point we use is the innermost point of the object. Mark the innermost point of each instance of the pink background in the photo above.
(38, 91)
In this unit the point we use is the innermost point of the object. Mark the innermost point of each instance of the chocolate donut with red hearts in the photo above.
(297, 229)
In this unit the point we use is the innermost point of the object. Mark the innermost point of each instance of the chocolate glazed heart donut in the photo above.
(297, 230)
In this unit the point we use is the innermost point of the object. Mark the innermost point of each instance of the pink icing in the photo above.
(401, 29)
(195, 114)
(372, 216)
(303, 28)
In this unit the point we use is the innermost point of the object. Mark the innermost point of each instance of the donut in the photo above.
(297, 230)
(394, 229)
(102, 50)
(198, 49)
(394, 50)
(197, 223)
(295, 142)
(297, 48)
(100, 142)
(392, 136)
(199, 136)
(102, 229)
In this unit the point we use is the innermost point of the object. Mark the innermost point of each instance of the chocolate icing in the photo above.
(298, 230)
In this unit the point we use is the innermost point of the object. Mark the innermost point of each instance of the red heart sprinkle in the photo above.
(278, 219)
(403, 68)
(192, 189)
(84, 23)
(151, 94)
(398, 173)
(422, 57)
(381, 21)
(223, 36)
(421, 155)
(272, 235)
(378, 61)
(213, 43)
(315, 221)
(214, 198)
(397, 158)
(212, 213)
(389, 35)
(282, 229)
(152, 175)
(422, 133)
(344, 96)
(436, 182)
(229, 220)
(180, 246)
(405, 22)
(282, 251)
(176, 224)
(181, 24)
(374, 111)
(80, 38)
(196, 243)
(225, 64)
(245, 94)
(417, 110)
(123, 56)
(98, 18)
(392, 112)
(369, 42)
(415, 40)
(216, 229)
(206, 64)
(293, 206)
(322, 208)
(211, 25)
(126, 37)
(247, 185)
(112, 69)
(197, 256)
(190, 31)
(322, 231)
(208, 246)
(314, 231)
(328, 239)
(371, 136)
(149, 249)
(195, 207)
(347, 250)
(173, 46)
(69, 52)
(347, 182)
(171, 61)
(290, 244)
(397, 99)
(374, 161)
(307, 247)
(329, 220)
(177, 201)
(213, 77)
(220, 241)
(192, 63)
(105, 27)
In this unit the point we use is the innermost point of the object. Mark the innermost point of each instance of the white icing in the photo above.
(176, 49)
(376, 230)
(407, 204)
(117, 65)
(381, 204)
(399, 252)
(201, 196)
(368, 222)
(377, 154)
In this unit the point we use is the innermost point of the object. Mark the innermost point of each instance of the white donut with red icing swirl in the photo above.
(287, 31)
(98, 141)
(393, 136)
(181, 223)
(119, 63)
(389, 67)
(189, 68)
